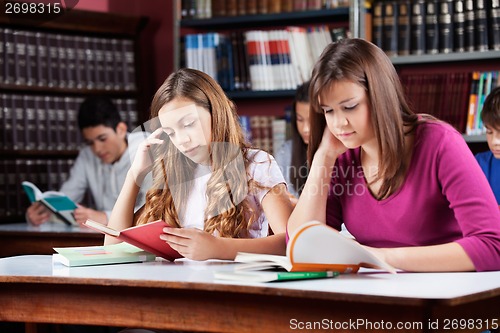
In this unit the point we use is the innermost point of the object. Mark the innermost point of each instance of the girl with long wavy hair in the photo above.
(406, 185)
(220, 195)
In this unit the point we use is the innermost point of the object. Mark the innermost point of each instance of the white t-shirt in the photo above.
(263, 169)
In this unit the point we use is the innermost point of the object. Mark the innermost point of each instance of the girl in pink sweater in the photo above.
(405, 185)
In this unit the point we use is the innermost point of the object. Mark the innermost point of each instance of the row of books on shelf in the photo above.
(454, 97)
(202, 9)
(48, 122)
(268, 133)
(260, 60)
(53, 60)
(418, 27)
(46, 173)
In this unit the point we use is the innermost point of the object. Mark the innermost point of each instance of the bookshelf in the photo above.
(437, 46)
(333, 17)
(48, 65)
(265, 70)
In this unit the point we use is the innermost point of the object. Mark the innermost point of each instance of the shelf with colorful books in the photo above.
(250, 58)
(48, 65)
(260, 58)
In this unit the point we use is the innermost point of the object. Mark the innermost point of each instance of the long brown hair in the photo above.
(363, 63)
(299, 147)
(172, 168)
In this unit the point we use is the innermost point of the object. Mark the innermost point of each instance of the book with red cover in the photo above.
(144, 236)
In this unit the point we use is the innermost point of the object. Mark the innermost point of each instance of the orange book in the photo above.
(316, 247)
(144, 236)
(473, 103)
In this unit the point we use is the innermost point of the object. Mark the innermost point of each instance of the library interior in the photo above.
(58, 55)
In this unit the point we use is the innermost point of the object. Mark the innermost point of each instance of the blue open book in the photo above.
(57, 202)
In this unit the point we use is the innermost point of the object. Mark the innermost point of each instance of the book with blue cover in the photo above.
(57, 202)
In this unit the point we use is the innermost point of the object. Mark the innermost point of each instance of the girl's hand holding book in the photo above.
(192, 243)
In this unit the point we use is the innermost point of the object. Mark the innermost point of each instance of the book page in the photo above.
(317, 243)
(101, 228)
(258, 261)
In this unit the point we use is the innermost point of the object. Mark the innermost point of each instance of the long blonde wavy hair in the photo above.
(226, 177)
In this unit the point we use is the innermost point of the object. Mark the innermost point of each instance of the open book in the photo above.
(144, 236)
(316, 247)
(57, 202)
(100, 255)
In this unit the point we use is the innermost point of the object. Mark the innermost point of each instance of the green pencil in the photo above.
(283, 276)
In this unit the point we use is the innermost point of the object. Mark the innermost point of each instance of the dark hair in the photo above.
(98, 110)
(363, 63)
(299, 147)
(490, 115)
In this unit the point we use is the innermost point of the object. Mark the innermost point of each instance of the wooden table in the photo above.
(24, 238)
(184, 295)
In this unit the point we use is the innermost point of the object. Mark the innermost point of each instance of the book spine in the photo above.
(9, 56)
(418, 31)
(3, 111)
(445, 26)
(129, 64)
(117, 68)
(431, 27)
(61, 123)
(7, 121)
(17, 122)
(42, 59)
(252, 7)
(469, 24)
(404, 16)
(390, 28)
(133, 114)
(21, 71)
(494, 24)
(30, 127)
(481, 26)
(286, 6)
(472, 102)
(31, 59)
(2, 55)
(72, 130)
(70, 50)
(3, 190)
(378, 24)
(62, 65)
(99, 63)
(89, 63)
(41, 121)
(52, 61)
(459, 26)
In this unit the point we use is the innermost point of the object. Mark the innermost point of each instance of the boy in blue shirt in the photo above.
(490, 160)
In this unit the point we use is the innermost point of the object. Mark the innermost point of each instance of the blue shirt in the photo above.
(491, 168)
